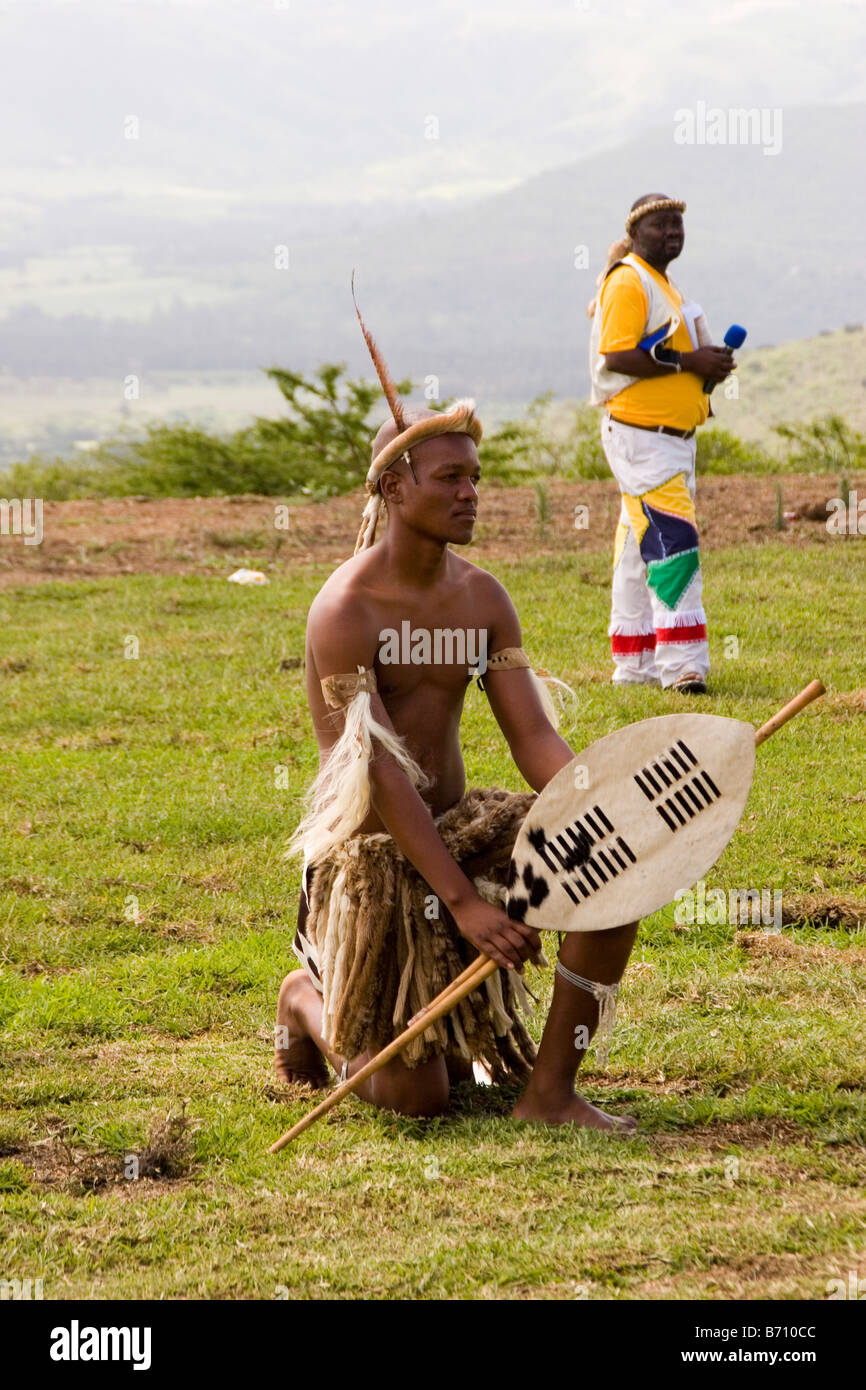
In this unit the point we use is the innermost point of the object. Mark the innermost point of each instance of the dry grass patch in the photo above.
(783, 1276)
(773, 946)
(167, 1152)
(823, 909)
(848, 702)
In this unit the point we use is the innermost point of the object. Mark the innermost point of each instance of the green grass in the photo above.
(145, 913)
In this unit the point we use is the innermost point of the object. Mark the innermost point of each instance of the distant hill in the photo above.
(798, 381)
(484, 296)
(490, 300)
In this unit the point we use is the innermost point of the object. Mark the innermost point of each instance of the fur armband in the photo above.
(514, 658)
(508, 659)
(339, 690)
(340, 795)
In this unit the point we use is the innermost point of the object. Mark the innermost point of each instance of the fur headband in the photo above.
(412, 429)
(657, 205)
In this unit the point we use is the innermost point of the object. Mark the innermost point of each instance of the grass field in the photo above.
(145, 914)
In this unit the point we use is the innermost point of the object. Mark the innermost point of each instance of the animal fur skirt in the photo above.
(379, 945)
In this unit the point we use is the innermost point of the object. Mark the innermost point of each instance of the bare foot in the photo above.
(572, 1110)
(297, 1060)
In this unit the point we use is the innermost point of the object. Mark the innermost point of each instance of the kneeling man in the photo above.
(405, 869)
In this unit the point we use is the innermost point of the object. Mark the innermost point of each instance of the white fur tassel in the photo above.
(369, 522)
(341, 792)
(542, 685)
(621, 629)
(686, 619)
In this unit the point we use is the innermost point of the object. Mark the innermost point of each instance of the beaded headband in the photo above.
(657, 205)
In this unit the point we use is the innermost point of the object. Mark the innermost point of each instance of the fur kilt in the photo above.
(382, 945)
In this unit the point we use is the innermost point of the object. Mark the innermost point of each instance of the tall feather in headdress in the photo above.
(388, 386)
(413, 427)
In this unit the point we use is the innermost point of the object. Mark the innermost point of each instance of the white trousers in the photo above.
(657, 625)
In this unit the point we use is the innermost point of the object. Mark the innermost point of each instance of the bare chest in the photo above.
(438, 655)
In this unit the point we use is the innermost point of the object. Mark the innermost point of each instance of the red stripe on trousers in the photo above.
(640, 642)
(696, 633)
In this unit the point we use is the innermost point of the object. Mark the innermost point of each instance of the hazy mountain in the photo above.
(158, 154)
(486, 296)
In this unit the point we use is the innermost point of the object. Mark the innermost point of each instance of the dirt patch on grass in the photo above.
(762, 1277)
(659, 1085)
(293, 1093)
(59, 1163)
(26, 886)
(30, 969)
(188, 930)
(213, 535)
(720, 1135)
(213, 883)
(56, 1164)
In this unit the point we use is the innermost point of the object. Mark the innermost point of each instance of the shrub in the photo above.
(720, 451)
(824, 445)
(321, 447)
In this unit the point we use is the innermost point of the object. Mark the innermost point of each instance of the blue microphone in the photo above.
(734, 338)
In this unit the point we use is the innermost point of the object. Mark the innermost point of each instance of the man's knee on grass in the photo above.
(420, 1092)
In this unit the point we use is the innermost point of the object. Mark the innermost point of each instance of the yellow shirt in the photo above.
(675, 399)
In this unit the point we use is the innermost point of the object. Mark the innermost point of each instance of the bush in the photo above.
(823, 445)
(57, 480)
(321, 447)
(545, 445)
(720, 451)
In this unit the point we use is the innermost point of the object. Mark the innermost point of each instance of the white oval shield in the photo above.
(637, 816)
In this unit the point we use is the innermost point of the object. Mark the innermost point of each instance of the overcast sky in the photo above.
(347, 100)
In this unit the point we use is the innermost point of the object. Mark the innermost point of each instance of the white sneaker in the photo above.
(617, 679)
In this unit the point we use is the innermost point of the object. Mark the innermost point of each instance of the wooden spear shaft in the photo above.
(805, 697)
(442, 1004)
(476, 973)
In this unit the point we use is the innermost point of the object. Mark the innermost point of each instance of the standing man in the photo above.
(651, 358)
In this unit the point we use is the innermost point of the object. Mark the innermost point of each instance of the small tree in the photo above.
(327, 433)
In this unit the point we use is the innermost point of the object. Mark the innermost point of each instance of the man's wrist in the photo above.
(460, 897)
(671, 358)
